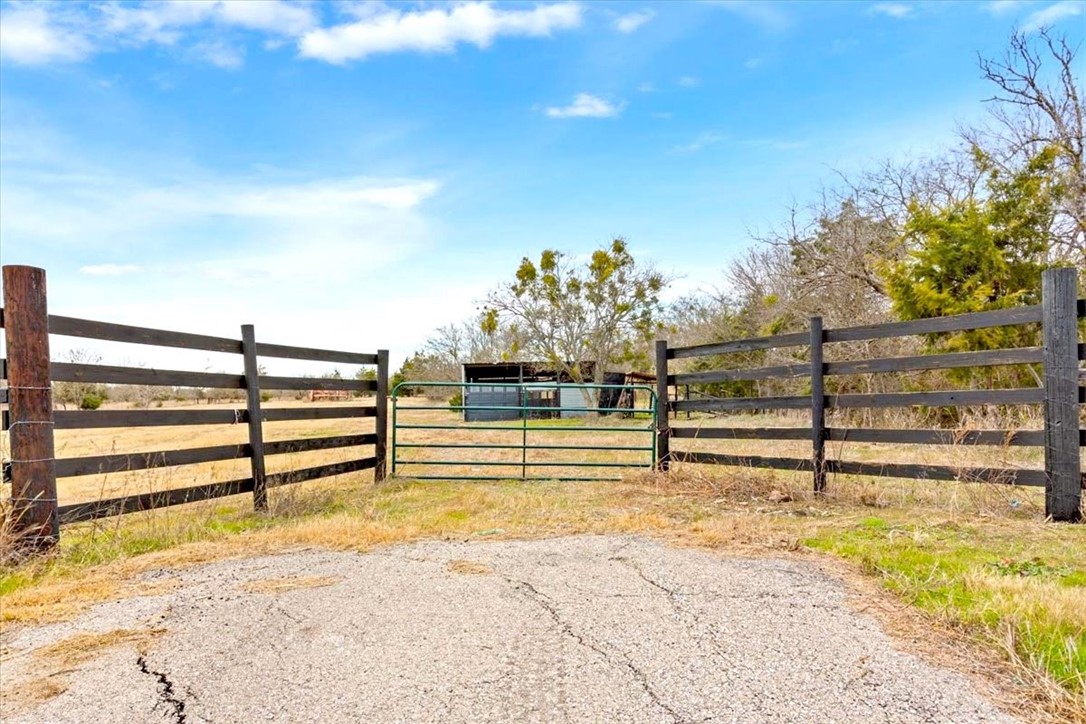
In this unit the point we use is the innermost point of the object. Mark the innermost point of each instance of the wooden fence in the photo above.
(31, 420)
(1061, 395)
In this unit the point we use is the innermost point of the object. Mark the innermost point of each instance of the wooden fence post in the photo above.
(818, 407)
(30, 405)
(256, 421)
(663, 429)
(380, 448)
(1063, 488)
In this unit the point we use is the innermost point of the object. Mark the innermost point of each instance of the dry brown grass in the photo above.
(83, 647)
(470, 568)
(50, 665)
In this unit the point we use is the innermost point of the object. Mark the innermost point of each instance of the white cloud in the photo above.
(646, 88)
(630, 22)
(893, 10)
(689, 81)
(271, 16)
(110, 270)
(434, 30)
(752, 63)
(31, 35)
(663, 115)
(35, 34)
(1053, 14)
(585, 105)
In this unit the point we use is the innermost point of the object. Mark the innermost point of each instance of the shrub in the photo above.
(265, 396)
(90, 401)
(456, 400)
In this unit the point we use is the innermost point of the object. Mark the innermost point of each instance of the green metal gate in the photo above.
(530, 425)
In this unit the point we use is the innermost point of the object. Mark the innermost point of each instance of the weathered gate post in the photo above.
(1063, 486)
(818, 407)
(30, 405)
(256, 417)
(380, 448)
(663, 428)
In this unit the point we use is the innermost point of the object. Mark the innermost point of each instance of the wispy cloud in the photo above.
(764, 13)
(645, 87)
(165, 22)
(688, 81)
(110, 270)
(1053, 14)
(899, 11)
(435, 30)
(630, 22)
(776, 144)
(35, 34)
(703, 140)
(586, 105)
(220, 54)
(1002, 7)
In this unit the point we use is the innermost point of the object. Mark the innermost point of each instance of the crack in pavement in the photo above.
(670, 593)
(638, 675)
(167, 691)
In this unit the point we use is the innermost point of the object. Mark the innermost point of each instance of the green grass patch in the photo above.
(984, 580)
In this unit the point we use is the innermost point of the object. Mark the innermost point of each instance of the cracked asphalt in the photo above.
(583, 629)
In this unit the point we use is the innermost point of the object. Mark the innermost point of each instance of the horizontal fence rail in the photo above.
(1060, 393)
(30, 375)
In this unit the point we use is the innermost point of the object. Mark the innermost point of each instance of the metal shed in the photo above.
(492, 385)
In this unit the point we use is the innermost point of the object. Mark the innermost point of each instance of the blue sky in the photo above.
(353, 175)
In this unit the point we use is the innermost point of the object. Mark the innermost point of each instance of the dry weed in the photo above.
(469, 567)
(289, 583)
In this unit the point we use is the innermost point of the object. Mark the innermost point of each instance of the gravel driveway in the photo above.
(598, 629)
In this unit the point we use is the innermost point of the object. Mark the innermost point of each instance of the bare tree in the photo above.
(1038, 104)
(79, 394)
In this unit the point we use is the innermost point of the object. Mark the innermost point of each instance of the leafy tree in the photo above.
(555, 311)
(980, 254)
(91, 402)
(397, 377)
